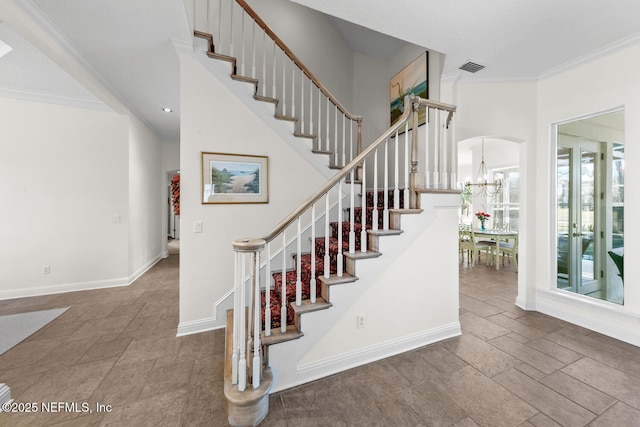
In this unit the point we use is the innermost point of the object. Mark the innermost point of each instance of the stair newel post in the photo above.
(340, 258)
(257, 327)
(415, 178)
(313, 281)
(363, 214)
(327, 258)
(352, 213)
(242, 332)
(351, 148)
(396, 173)
(374, 219)
(407, 149)
(299, 263)
(385, 212)
(267, 293)
(235, 355)
(283, 286)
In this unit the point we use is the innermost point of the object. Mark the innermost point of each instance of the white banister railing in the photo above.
(310, 225)
(282, 77)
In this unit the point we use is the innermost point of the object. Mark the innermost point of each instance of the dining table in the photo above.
(497, 236)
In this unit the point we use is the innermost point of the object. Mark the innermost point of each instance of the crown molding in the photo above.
(47, 98)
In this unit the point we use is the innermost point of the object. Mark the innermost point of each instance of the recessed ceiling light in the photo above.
(4, 48)
(167, 110)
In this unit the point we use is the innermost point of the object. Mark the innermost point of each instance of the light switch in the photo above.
(197, 227)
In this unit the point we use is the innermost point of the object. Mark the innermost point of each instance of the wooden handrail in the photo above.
(438, 105)
(297, 61)
(331, 183)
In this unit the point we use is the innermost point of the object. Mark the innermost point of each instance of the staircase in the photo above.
(301, 268)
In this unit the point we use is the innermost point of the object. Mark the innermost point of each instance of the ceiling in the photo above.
(128, 47)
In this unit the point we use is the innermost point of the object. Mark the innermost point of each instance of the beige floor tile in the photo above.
(528, 355)
(557, 407)
(486, 358)
(581, 393)
(619, 415)
(481, 327)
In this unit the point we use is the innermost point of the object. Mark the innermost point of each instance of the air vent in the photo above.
(472, 67)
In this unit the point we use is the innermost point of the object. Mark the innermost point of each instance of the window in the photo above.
(505, 205)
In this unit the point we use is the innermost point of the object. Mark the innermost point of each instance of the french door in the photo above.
(581, 251)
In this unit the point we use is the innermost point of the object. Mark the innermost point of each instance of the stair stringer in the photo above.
(264, 110)
(424, 309)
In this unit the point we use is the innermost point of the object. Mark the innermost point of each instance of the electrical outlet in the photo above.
(117, 219)
(46, 269)
(360, 321)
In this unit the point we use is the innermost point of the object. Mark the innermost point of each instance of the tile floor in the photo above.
(510, 367)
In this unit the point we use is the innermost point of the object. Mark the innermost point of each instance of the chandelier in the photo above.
(482, 187)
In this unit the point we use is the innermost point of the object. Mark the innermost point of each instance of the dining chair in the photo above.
(467, 243)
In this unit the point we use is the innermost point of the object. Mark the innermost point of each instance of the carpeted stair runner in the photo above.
(291, 276)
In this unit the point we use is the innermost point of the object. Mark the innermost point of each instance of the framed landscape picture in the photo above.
(412, 79)
(234, 178)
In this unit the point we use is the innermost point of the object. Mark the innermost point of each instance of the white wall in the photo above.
(598, 85)
(313, 39)
(65, 176)
(215, 120)
(147, 204)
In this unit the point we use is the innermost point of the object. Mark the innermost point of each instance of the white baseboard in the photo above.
(79, 286)
(201, 325)
(332, 365)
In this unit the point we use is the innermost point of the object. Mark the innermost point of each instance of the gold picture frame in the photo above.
(234, 178)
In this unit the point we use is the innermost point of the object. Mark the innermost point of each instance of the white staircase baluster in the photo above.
(340, 258)
(274, 94)
(352, 213)
(253, 49)
(264, 64)
(242, 42)
(257, 365)
(284, 84)
(436, 151)
(374, 219)
(385, 212)
(283, 287)
(319, 133)
(242, 362)
(363, 215)
(335, 124)
(293, 89)
(344, 142)
(267, 292)
(396, 173)
(299, 264)
(313, 282)
(231, 29)
(327, 143)
(427, 165)
(302, 128)
(311, 130)
(327, 228)
(351, 150)
(454, 156)
(407, 166)
(219, 24)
